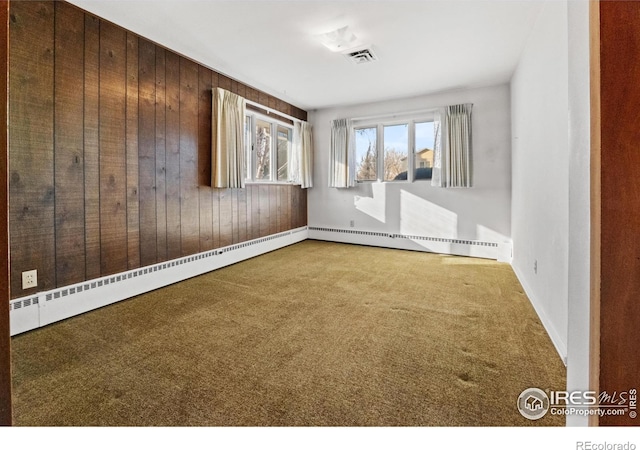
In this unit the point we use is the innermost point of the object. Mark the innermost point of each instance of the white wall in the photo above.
(479, 213)
(579, 203)
(540, 161)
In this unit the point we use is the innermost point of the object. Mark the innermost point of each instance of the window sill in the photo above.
(271, 183)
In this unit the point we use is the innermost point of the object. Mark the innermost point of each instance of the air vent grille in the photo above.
(362, 56)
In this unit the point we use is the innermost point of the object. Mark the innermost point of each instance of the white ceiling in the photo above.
(423, 46)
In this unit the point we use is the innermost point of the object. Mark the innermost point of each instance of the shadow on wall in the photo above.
(417, 216)
(374, 206)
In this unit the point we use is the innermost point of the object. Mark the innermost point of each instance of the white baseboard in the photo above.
(44, 308)
(500, 251)
(556, 339)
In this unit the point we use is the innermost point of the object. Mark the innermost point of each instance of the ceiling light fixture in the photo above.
(338, 40)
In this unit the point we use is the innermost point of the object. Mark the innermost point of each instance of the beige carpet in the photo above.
(313, 334)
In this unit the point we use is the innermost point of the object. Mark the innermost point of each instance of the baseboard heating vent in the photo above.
(358, 232)
(449, 241)
(23, 303)
(405, 236)
(61, 303)
(256, 241)
(500, 251)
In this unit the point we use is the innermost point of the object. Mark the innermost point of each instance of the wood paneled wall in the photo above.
(616, 202)
(109, 153)
(5, 340)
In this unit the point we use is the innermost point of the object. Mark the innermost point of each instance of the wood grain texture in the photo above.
(113, 194)
(172, 110)
(264, 211)
(31, 159)
(161, 155)
(273, 209)
(205, 207)
(91, 126)
(242, 214)
(235, 226)
(110, 152)
(147, 152)
(620, 201)
(68, 145)
(255, 211)
(189, 196)
(5, 341)
(215, 217)
(133, 200)
(226, 216)
(595, 165)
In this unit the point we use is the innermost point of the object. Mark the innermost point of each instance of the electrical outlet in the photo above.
(352, 223)
(535, 266)
(29, 279)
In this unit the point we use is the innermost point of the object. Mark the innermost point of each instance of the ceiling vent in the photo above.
(362, 56)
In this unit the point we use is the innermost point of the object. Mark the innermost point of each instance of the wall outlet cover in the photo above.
(29, 279)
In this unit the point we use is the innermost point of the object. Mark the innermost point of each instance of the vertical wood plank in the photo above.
(242, 215)
(5, 340)
(235, 226)
(113, 195)
(295, 207)
(265, 212)
(68, 139)
(133, 201)
(255, 211)
(161, 155)
(31, 184)
(285, 204)
(204, 158)
(91, 146)
(189, 196)
(172, 68)
(263, 98)
(215, 194)
(226, 220)
(224, 82)
(249, 211)
(619, 256)
(303, 209)
(147, 152)
(273, 209)
(279, 221)
(252, 94)
(215, 219)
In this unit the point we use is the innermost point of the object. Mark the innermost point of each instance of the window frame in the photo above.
(252, 118)
(379, 123)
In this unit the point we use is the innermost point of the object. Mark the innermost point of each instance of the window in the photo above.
(268, 144)
(284, 150)
(424, 139)
(366, 154)
(394, 150)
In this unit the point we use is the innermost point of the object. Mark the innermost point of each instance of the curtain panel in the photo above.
(452, 147)
(302, 155)
(339, 173)
(228, 146)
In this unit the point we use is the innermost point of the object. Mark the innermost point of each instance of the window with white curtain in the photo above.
(393, 149)
(430, 145)
(268, 148)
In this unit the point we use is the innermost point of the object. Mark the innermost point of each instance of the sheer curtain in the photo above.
(452, 147)
(302, 155)
(339, 174)
(228, 148)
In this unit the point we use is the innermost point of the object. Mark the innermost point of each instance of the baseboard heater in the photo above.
(500, 251)
(44, 308)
